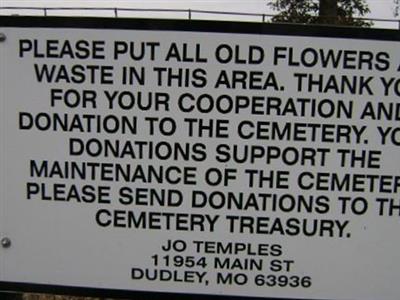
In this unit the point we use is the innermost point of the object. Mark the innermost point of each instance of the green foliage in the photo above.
(307, 12)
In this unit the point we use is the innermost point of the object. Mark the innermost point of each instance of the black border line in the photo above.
(200, 26)
(180, 26)
(126, 294)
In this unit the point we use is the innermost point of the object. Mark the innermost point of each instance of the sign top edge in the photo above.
(200, 26)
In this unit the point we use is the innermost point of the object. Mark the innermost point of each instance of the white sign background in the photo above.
(60, 243)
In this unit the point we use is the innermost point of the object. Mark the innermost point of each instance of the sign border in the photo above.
(175, 25)
(201, 26)
(122, 294)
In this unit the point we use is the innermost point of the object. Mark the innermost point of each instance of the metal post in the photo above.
(45, 12)
(263, 18)
(190, 14)
(116, 12)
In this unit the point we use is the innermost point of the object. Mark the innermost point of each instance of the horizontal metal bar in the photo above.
(230, 13)
(55, 8)
(134, 9)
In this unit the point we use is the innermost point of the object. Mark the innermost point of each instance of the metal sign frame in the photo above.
(172, 25)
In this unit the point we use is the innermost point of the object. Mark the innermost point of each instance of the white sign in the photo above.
(236, 161)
